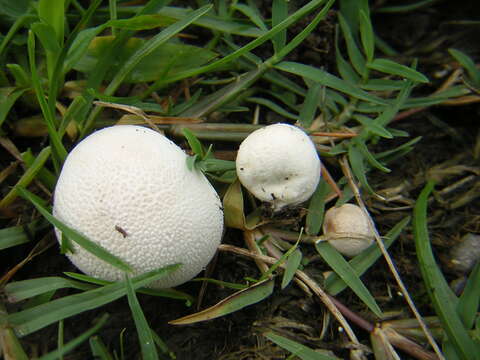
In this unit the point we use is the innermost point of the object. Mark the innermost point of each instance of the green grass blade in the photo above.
(441, 296)
(393, 68)
(252, 13)
(8, 97)
(291, 266)
(356, 58)
(279, 13)
(45, 176)
(193, 142)
(299, 14)
(168, 293)
(327, 79)
(152, 44)
(27, 177)
(21, 234)
(356, 160)
(298, 350)
(225, 94)
(149, 350)
(162, 345)
(468, 304)
(309, 107)
(52, 13)
(58, 149)
(273, 106)
(47, 36)
(366, 259)
(36, 318)
(99, 349)
(345, 69)
(299, 39)
(372, 126)
(367, 36)
(469, 65)
(371, 159)
(316, 208)
(54, 355)
(24, 289)
(234, 302)
(213, 22)
(74, 235)
(345, 271)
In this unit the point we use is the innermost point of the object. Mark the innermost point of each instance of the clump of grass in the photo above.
(61, 60)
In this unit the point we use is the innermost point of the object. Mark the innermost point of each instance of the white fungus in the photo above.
(279, 164)
(128, 189)
(347, 229)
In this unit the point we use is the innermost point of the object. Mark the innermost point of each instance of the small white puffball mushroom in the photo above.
(128, 189)
(347, 229)
(279, 164)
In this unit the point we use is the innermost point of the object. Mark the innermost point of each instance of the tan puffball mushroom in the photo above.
(279, 164)
(347, 229)
(128, 189)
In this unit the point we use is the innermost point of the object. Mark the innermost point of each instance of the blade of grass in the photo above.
(443, 300)
(468, 304)
(99, 349)
(149, 351)
(345, 271)
(291, 266)
(24, 289)
(7, 100)
(309, 107)
(147, 48)
(367, 36)
(279, 13)
(168, 293)
(27, 177)
(21, 234)
(36, 318)
(298, 350)
(391, 67)
(356, 58)
(356, 160)
(252, 13)
(234, 302)
(327, 79)
(299, 14)
(58, 149)
(366, 259)
(54, 355)
(316, 208)
(469, 65)
(152, 44)
(74, 235)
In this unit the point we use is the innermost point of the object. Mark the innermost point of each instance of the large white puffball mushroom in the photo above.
(128, 189)
(347, 229)
(279, 164)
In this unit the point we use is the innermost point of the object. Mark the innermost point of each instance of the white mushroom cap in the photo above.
(279, 164)
(347, 229)
(128, 189)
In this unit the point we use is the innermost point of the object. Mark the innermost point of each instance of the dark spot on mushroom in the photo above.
(121, 231)
(263, 189)
(242, 169)
(286, 177)
(273, 196)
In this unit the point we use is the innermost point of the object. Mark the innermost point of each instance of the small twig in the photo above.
(386, 255)
(330, 181)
